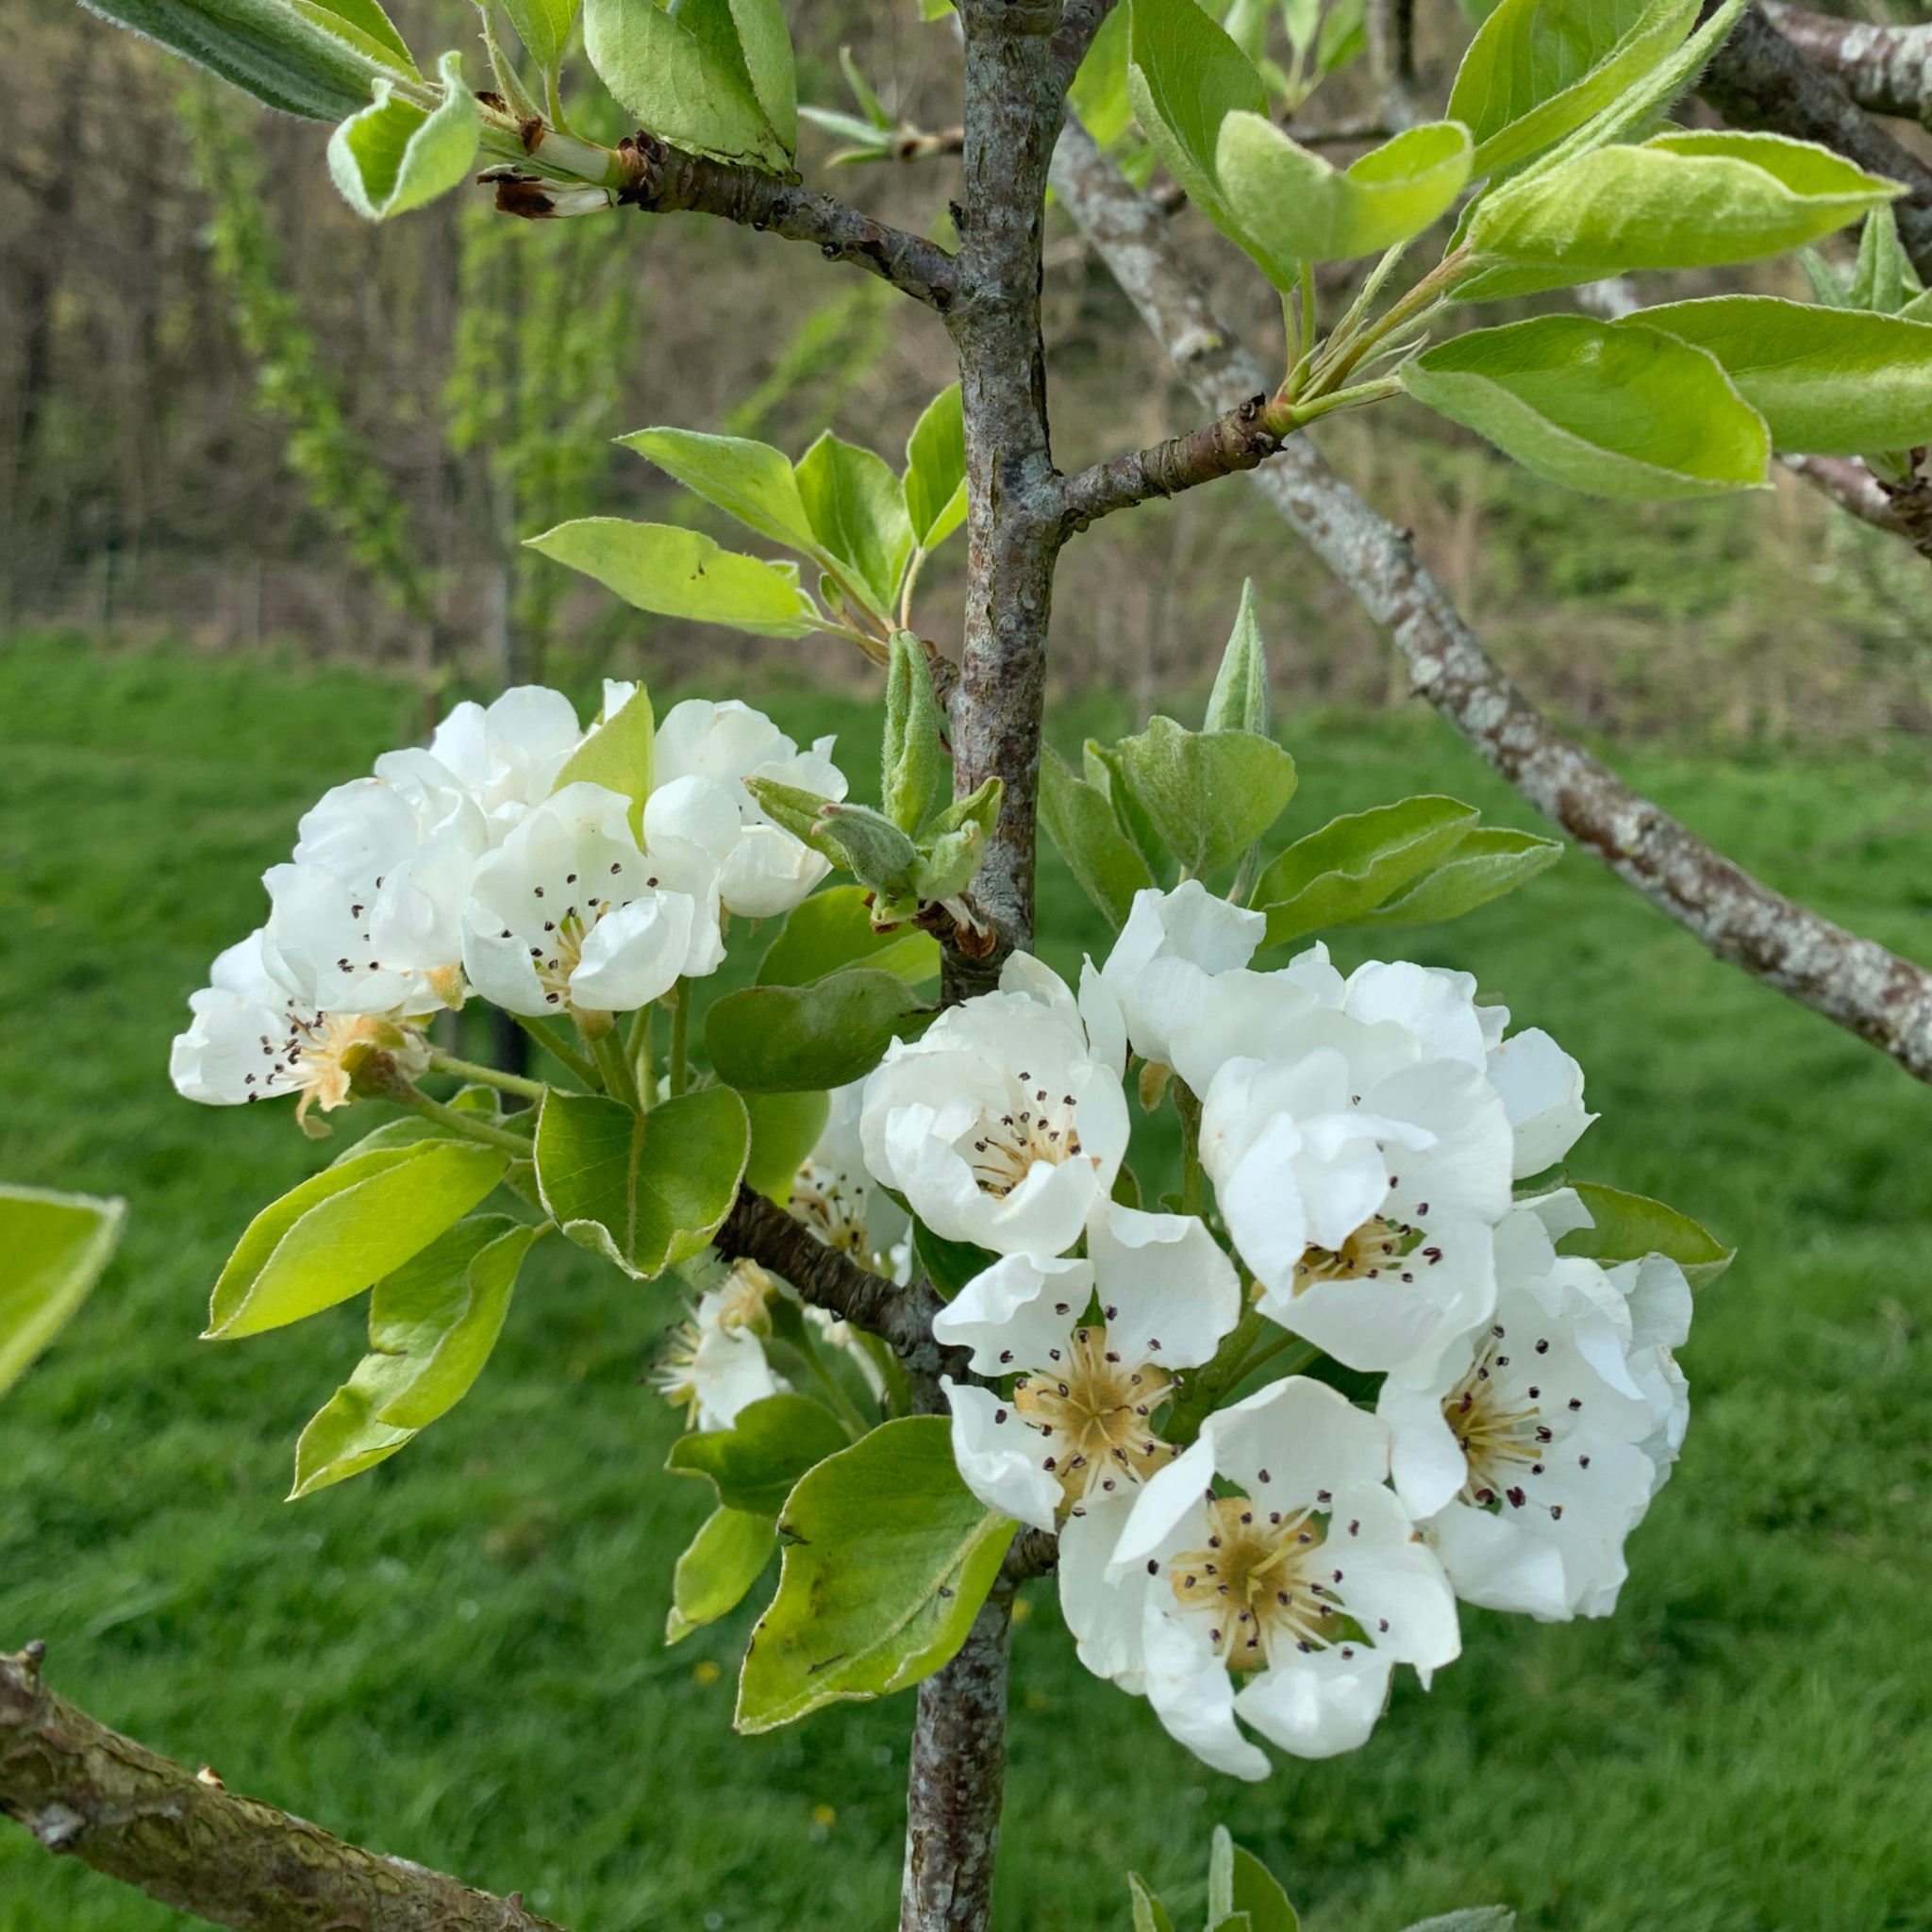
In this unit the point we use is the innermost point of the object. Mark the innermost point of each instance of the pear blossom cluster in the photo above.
(1257, 1554)
(477, 865)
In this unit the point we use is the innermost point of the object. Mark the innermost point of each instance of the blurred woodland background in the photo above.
(233, 414)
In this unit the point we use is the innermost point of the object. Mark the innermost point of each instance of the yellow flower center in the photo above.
(1376, 1251)
(1503, 1437)
(1096, 1411)
(1035, 1129)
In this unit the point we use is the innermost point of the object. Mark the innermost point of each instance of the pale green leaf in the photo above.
(342, 1230)
(1081, 824)
(1626, 1227)
(890, 1559)
(808, 1039)
(1353, 864)
(393, 157)
(1207, 794)
(1099, 92)
(1490, 861)
(936, 469)
(689, 82)
(683, 574)
(714, 1575)
(1470, 1919)
(543, 26)
(1829, 381)
(647, 1189)
(1150, 1915)
(754, 1463)
(1239, 700)
(833, 928)
(751, 481)
(856, 510)
(55, 1247)
(364, 22)
(1294, 205)
(1617, 410)
(1883, 279)
(617, 756)
(785, 1128)
(1259, 1897)
(914, 762)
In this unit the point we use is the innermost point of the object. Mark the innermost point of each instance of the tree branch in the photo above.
(1758, 78)
(85, 1792)
(667, 180)
(1887, 70)
(1875, 993)
(1237, 439)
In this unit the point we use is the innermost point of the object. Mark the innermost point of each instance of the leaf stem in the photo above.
(457, 1121)
(680, 1037)
(561, 1050)
(621, 1083)
(642, 1051)
(1192, 1181)
(485, 1076)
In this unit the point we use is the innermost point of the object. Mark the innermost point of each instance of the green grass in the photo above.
(459, 1657)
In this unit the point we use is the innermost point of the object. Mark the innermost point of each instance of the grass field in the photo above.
(459, 1657)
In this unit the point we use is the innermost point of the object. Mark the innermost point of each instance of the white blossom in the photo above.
(1005, 1124)
(571, 914)
(251, 1038)
(1174, 946)
(1078, 1426)
(1265, 1575)
(841, 1203)
(506, 758)
(714, 1366)
(1534, 1447)
(703, 753)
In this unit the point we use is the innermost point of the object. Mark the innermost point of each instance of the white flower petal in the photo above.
(1192, 1695)
(1013, 1313)
(633, 956)
(998, 1459)
(1105, 1614)
(1164, 1280)
(1291, 1440)
(1542, 1093)
(1323, 1704)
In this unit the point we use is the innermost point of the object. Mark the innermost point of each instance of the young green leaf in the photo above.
(754, 1463)
(683, 574)
(856, 510)
(1626, 1227)
(393, 157)
(1239, 700)
(316, 62)
(55, 1247)
(1829, 381)
(1537, 69)
(1081, 824)
(1220, 1874)
(891, 1558)
(833, 928)
(1490, 861)
(1150, 1915)
(1884, 279)
(1470, 1919)
(364, 23)
(751, 481)
(936, 469)
(1257, 1896)
(914, 758)
(1099, 92)
(1295, 207)
(1353, 864)
(1614, 410)
(342, 1230)
(1207, 794)
(617, 756)
(714, 1575)
(647, 1189)
(432, 1326)
(764, 46)
(688, 81)
(1682, 200)
(790, 1040)
(785, 1128)
(543, 26)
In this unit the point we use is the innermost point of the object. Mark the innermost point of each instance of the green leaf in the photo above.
(342, 1230)
(764, 45)
(1611, 409)
(1682, 200)
(55, 1247)
(1353, 864)
(1099, 94)
(683, 574)
(914, 760)
(367, 23)
(1259, 1896)
(1239, 700)
(857, 508)
(1207, 794)
(1470, 1919)
(312, 61)
(1295, 207)
(1829, 381)
(393, 157)
(797, 1038)
(1539, 69)
(432, 1326)
(1343, 36)
(891, 1558)
(949, 1265)
(833, 928)
(1626, 1227)
(713, 1576)
(642, 1190)
(1081, 824)
(936, 469)
(688, 79)
(1220, 1875)
(751, 481)
(543, 26)
(754, 1463)
(617, 756)
(785, 1128)
(1102, 765)
(1490, 861)
(1185, 76)
(1884, 279)
(1150, 1915)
